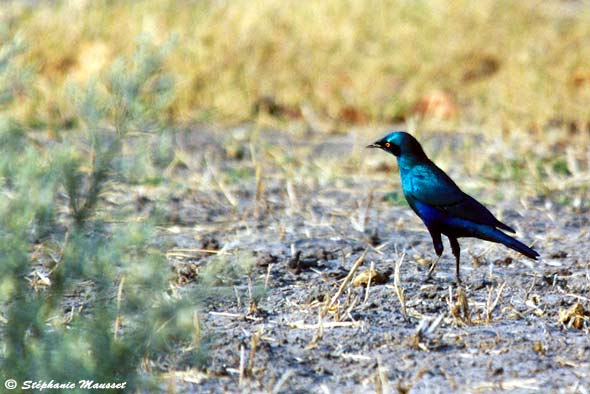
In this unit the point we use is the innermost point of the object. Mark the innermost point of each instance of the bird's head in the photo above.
(399, 143)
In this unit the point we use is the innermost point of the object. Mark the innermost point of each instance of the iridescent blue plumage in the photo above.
(438, 201)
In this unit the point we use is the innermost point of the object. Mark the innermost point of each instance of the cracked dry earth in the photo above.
(515, 326)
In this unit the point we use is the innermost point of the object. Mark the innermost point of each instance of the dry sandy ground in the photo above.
(505, 330)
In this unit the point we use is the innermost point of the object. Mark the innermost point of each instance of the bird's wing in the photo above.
(430, 185)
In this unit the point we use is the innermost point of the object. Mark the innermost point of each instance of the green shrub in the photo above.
(81, 296)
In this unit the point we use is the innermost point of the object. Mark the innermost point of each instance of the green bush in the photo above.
(82, 296)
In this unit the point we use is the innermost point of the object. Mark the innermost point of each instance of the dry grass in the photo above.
(506, 65)
(512, 69)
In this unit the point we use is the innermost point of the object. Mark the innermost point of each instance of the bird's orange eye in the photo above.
(387, 144)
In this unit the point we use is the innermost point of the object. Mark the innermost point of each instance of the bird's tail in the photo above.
(494, 235)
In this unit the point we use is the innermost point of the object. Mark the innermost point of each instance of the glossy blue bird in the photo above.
(442, 206)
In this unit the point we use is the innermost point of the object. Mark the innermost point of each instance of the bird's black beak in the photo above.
(374, 145)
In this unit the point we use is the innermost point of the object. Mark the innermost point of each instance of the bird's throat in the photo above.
(406, 163)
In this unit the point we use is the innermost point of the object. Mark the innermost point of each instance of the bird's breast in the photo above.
(431, 216)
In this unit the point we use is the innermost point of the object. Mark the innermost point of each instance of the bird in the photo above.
(443, 207)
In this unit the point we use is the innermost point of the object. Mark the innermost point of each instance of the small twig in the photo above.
(382, 246)
(242, 365)
(355, 357)
(179, 252)
(511, 384)
(355, 266)
(528, 292)
(250, 294)
(277, 387)
(259, 191)
(435, 323)
(236, 316)
(399, 291)
(254, 343)
(381, 381)
(350, 308)
(226, 192)
(320, 331)
(226, 314)
(238, 298)
(578, 296)
(333, 324)
(491, 306)
(458, 308)
(371, 270)
(266, 279)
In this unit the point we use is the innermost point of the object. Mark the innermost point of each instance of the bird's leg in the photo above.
(457, 253)
(438, 248)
